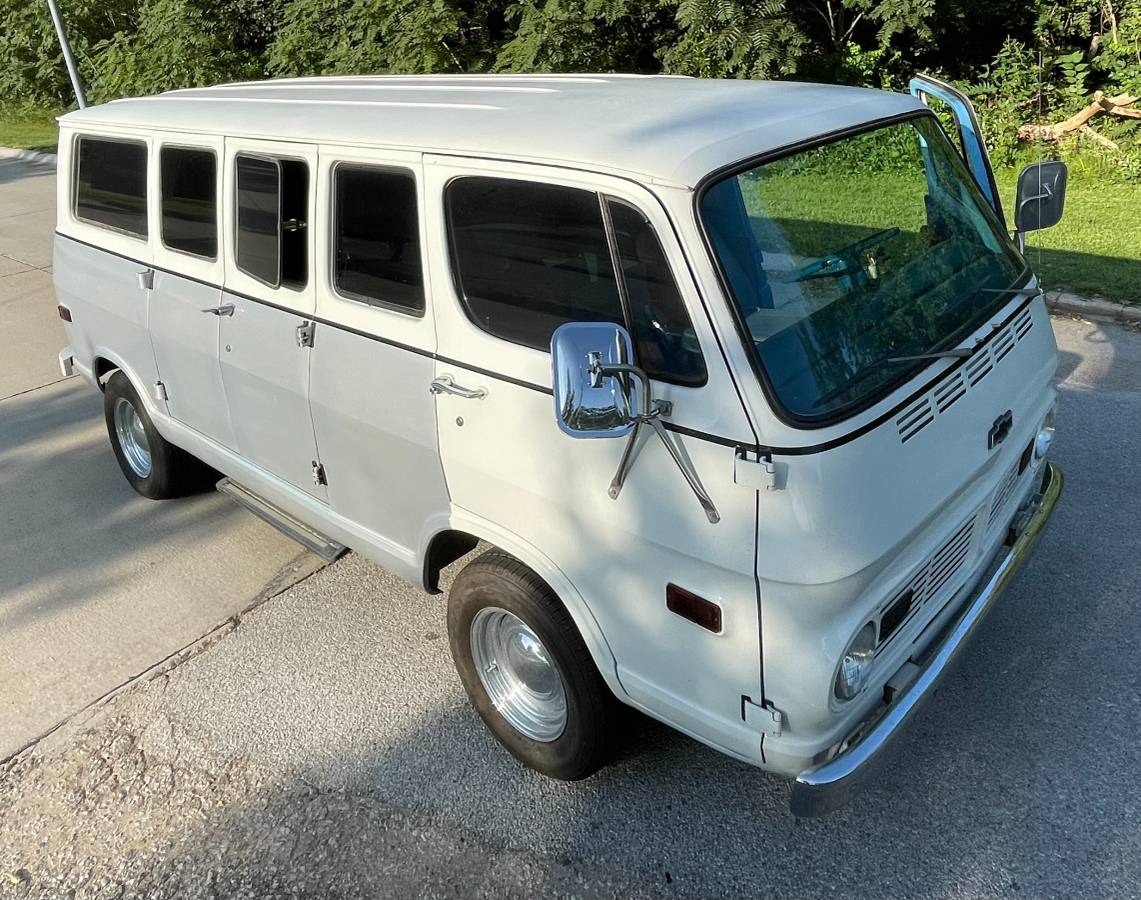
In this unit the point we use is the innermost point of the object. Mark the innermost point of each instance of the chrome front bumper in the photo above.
(823, 788)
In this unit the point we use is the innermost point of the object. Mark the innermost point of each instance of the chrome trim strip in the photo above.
(821, 789)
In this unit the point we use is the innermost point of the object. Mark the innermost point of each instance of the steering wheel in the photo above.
(844, 261)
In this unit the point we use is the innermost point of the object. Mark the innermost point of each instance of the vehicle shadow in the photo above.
(18, 169)
(71, 525)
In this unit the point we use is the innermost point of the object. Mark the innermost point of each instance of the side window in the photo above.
(663, 334)
(529, 257)
(272, 200)
(376, 239)
(189, 201)
(111, 184)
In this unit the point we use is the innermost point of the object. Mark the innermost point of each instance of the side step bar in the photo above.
(323, 546)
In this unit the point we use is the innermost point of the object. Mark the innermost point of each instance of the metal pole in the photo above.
(68, 59)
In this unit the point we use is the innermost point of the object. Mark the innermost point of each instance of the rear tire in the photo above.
(153, 466)
(511, 637)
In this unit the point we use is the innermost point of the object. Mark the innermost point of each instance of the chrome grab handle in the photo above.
(226, 309)
(445, 384)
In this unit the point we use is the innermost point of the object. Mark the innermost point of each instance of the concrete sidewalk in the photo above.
(96, 583)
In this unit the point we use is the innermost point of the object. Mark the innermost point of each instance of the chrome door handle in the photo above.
(446, 385)
(226, 309)
(147, 279)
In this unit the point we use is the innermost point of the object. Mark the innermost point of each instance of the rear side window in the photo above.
(190, 201)
(529, 257)
(111, 184)
(271, 241)
(377, 238)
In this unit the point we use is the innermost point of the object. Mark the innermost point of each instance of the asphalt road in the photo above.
(96, 583)
(324, 747)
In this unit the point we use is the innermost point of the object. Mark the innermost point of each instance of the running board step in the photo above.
(323, 546)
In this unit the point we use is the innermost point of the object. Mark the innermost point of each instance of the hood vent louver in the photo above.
(955, 385)
(917, 417)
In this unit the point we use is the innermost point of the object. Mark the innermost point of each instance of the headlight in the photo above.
(856, 664)
(1045, 436)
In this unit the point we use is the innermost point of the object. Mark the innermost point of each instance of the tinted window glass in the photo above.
(294, 234)
(377, 238)
(663, 333)
(111, 184)
(848, 278)
(529, 257)
(189, 201)
(259, 218)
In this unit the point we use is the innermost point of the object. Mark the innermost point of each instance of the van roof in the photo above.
(667, 128)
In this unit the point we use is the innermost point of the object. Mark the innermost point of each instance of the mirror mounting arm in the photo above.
(651, 415)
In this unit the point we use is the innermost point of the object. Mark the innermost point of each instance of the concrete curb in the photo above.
(1073, 305)
(33, 156)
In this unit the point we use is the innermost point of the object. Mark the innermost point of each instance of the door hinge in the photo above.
(755, 469)
(319, 474)
(305, 334)
(766, 718)
(160, 392)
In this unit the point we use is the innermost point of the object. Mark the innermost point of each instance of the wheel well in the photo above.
(445, 548)
(103, 370)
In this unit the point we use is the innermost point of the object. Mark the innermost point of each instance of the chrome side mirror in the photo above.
(590, 402)
(599, 393)
(1041, 197)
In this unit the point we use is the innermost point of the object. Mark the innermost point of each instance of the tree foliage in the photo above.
(1023, 60)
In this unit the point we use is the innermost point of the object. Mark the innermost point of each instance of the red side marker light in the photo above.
(697, 609)
(64, 313)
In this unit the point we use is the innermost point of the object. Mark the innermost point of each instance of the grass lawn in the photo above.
(1095, 251)
(28, 129)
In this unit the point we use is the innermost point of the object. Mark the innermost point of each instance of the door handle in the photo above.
(445, 384)
(147, 279)
(226, 309)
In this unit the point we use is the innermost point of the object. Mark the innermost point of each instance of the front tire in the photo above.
(527, 670)
(153, 466)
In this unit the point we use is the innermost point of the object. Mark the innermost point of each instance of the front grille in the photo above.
(931, 582)
(1002, 494)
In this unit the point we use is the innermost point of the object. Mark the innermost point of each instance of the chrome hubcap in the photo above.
(518, 674)
(132, 437)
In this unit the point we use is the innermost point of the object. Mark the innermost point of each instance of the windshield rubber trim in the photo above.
(779, 409)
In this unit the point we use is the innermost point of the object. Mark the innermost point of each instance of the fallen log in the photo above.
(1079, 122)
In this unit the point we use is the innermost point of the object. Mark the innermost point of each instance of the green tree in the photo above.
(31, 64)
(182, 43)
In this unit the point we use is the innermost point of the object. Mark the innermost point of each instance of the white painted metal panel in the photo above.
(266, 378)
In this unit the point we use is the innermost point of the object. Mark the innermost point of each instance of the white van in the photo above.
(813, 363)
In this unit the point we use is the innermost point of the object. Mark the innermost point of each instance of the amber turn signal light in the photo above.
(697, 609)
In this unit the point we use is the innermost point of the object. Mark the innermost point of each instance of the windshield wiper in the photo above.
(872, 368)
(939, 354)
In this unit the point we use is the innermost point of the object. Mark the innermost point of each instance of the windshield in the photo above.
(846, 257)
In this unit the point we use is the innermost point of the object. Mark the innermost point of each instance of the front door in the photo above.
(186, 288)
(263, 339)
(523, 250)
